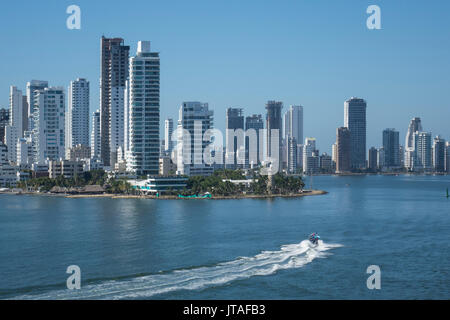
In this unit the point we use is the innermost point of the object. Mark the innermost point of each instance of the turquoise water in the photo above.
(233, 249)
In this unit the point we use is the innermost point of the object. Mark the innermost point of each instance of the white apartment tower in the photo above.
(447, 157)
(14, 130)
(308, 150)
(77, 117)
(422, 151)
(143, 111)
(24, 152)
(414, 125)
(293, 123)
(32, 87)
(49, 125)
(168, 130)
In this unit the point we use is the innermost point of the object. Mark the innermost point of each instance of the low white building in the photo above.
(159, 184)
(65, 168)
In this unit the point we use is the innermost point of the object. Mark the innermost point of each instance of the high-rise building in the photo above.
(8, 173)
(355, 121)
(253, 152)
(381, 158)
(439, 154)
(33, 87)
(195, 119)
(49, 125)
(114, 73)
(234, 138)
(422, 151)
(309, 150)
(334, 152)
(299, 156)
(293, 123)
(373, 159)
(14, 130)
(143, 154)
(391, 149)
(274, 131)
(291, 156)
(313, 163)
(402, 156)
(414, 126)
(168, 131)
(343, 148)
(4, 121)
(24, 114)
(77, 117)
(24, 152)
(95, 135)
(326, 163)
(447, 157)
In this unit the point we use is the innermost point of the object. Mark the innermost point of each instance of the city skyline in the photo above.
(301, 74)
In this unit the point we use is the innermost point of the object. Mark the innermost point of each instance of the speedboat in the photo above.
(314, 238)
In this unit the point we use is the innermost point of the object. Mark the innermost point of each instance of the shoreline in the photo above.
(172, 197)
(218, 197)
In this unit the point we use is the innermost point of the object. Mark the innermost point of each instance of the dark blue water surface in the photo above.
(233, 249)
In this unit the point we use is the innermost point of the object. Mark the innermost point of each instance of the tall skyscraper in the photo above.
(391, 148)
(343, 147)
(334, 152)
(143, 154)
(4, 122)
(168, 131)
(414, 125)
(95, 136)
(447, 157)
(293, 123)
(380, 158)
(235, 140)
(49, 124)
(355, 121)
(439, 154)
(253, 153)
(422, 151)
(24, 114)
(274, 131)
(114, 73)
(195, 119)
(14, 130)
(77, 117)
(373, 159)
(32, 87)
(291, 156)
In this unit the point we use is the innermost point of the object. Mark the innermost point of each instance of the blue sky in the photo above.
(243, 53)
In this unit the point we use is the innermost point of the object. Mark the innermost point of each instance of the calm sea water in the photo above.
(233, 249)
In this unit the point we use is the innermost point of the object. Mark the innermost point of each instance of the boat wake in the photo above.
(263, 264)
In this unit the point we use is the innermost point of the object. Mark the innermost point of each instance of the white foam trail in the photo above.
(265, 263)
